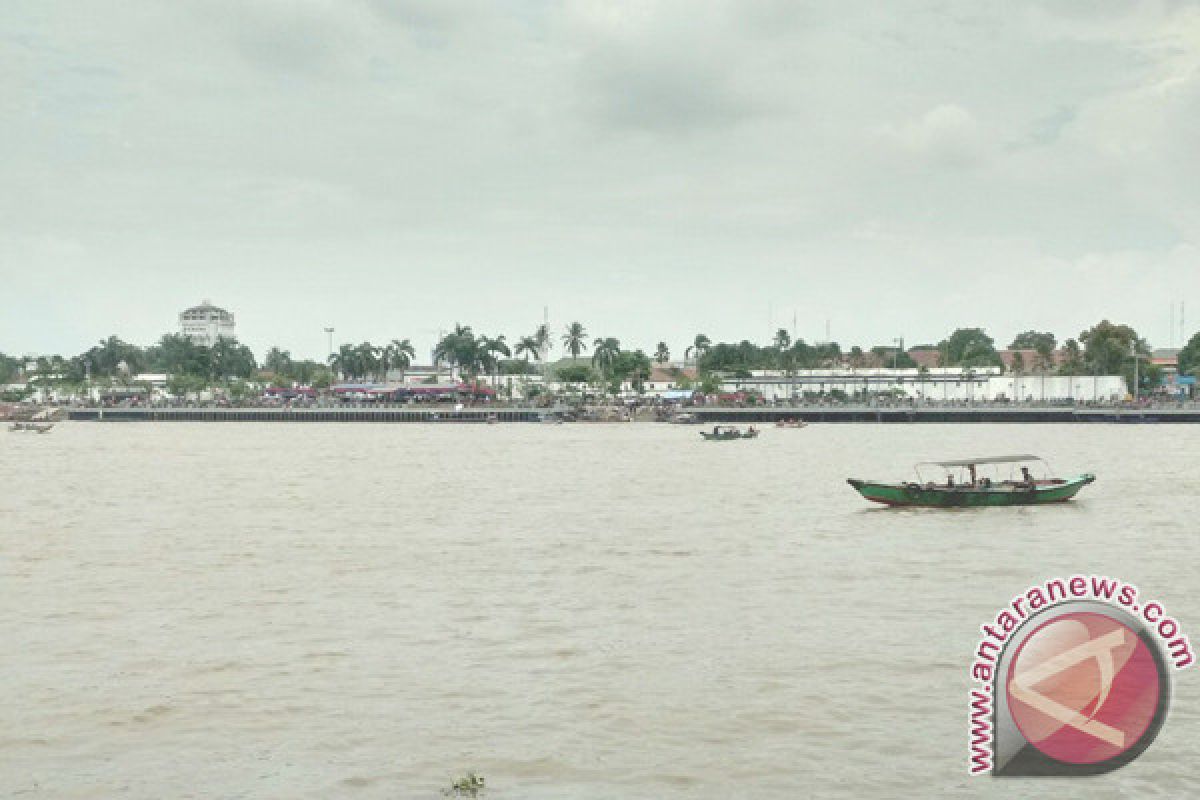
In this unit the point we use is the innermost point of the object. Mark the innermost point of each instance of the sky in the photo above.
(652, 169)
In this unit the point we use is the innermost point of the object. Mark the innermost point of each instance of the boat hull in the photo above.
(910, 494)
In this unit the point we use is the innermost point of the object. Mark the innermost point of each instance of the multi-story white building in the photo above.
(206, 323)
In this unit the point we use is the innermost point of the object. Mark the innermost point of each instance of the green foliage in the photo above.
(516, 366)
(1189, 356)
(183, 384)
(176, 354)
(745, 356)
(528, 346)
(1043, 343)
(1072, 363)
(473, 355)
(9, 367)
(604, 354)
(469, 785)
(575, 339)
(970, 347)
(893, 356)
(662, 353)
(285, 371)
(576, 373)
(698, 348)
(1108, 349)
(633, 366)
(108, 358)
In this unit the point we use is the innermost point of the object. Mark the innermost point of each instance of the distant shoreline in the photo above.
(841, 414)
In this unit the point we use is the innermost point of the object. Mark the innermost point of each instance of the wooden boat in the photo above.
(726, 433)
(963, 486)
(791, 423)
(686, 418)
(30, 427)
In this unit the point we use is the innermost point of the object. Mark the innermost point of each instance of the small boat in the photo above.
(30, 427)
(962, 485)
(685, 419)
(725, 433)
(791, 423)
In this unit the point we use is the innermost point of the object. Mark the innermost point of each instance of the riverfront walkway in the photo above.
(965, 414)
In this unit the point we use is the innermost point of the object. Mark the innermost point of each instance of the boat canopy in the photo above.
(968, 462)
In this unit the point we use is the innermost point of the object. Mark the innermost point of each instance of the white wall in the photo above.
(941, 387)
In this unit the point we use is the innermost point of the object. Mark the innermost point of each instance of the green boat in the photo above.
(963, 486)
(726, 433)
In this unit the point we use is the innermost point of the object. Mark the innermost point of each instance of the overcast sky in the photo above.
(651, 169)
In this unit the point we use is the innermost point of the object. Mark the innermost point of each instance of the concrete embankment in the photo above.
(705, 415)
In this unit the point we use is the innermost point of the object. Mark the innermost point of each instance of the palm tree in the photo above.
(699, 347)
(605, 353)
(460, 348)
(529, 346)
(489, 349)
(344, 361)
(663, 354)
(782, 340)
(368, 359)
(575, 339)
(401, 353)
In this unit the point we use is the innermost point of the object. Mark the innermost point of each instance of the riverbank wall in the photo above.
(704, 415)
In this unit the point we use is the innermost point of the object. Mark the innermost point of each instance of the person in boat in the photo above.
(949, 481)
(752, 430)
(971, 469)
(1027, 477)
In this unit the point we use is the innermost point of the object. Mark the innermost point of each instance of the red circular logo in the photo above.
(1083, 688)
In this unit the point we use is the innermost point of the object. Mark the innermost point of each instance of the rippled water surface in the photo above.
(257, 610)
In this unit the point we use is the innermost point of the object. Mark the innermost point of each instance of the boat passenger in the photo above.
(971, 469)
(1026, 476)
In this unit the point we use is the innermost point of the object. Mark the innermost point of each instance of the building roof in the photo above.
(925, 356)
(668, 374)
(205, 306)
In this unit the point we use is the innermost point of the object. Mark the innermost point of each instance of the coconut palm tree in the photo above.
(575, 339)
(460, 348)
(782, 340)
(345, 361)
(529, 346)
(699, 347)
(368, 359)
(663, 354)
(489, 349)
(400, 354)
(605, 353)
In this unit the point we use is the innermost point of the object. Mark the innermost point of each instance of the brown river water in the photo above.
(606, 611)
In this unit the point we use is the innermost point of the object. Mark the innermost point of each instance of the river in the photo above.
(248, 610)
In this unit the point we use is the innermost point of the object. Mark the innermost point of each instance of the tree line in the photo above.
(1105, 348)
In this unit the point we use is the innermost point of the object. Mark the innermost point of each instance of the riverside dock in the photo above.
(812, 414)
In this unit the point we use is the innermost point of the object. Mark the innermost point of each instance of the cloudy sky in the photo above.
(652, 169)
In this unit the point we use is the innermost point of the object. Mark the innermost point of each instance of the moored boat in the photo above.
(31, 427)
(963, 486)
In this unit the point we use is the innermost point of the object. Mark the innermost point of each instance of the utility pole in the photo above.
(1133, 348)
(329, 333)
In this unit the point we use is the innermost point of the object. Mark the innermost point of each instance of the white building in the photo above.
(206, 323)
(940, 384)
